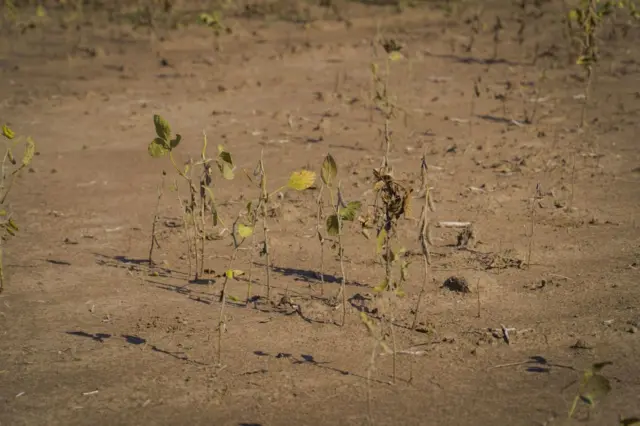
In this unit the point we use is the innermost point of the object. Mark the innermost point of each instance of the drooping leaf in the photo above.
(175, 142)
(225, 164)
(244, 231)
(382, 236)
(233, 298)
(233, 273)
(29, 152)
(301, 180)
(349, 213)
(329, 170)
(383, 286)
(395, 56)
(400, 292)
(333, 225)
(158, 148)
(7, 132)
(12, 160)
(163, 130)
(595, 389)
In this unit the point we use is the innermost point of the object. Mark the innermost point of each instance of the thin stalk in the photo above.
(154, 240)
(265, 228)
(320, 238)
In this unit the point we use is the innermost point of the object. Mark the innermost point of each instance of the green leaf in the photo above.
(163, 130)
(7, 132)
(29, 152)
(349, 213)
(329, 170)
(382, 235)
(158, 148)
(244, 231)
(175, 142)
(301, 180)
(333, 225)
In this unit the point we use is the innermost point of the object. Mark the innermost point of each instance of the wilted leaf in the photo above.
(225, 156)
(158, 148)
(596, 387)
(329, 170)
(233, 273)
(12, 160)
(349, 213)
(163, 130)
(400, 292)
(301, 180)
(233, 298)
(29, 152)
(175, 142)
(381, 287)
(366, 233)
(333, 225)
(226, 170)
(41, 11)
(382, 235)
(244, 231)
(7, 132)
(395, 56)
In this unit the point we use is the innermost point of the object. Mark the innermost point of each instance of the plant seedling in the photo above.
(10, 170)
(298, 181)
(335, 223)
(201, 197)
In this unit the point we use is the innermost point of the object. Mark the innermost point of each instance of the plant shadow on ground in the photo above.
(469, 60)
(136, 341)
(306, 359)
(501, 120)
(309, 276)
(132, 264)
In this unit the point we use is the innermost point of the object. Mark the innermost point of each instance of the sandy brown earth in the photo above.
(91, 335)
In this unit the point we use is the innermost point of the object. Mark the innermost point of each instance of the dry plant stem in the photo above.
(320, 238)
(372, 366)
(587, 95)
(395, 352)
(264, 199)
(426, 255)
(573, 178)
(186, 231)
(533, 223)
(154, 240)
(343, 282)
(223, 299)
(478, 293)
(250, 278)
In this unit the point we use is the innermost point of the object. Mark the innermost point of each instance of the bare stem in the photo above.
(154, 240)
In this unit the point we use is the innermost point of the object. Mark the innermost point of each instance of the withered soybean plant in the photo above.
(342, 212)
(201, 202)
(298, 181)
(10, 169)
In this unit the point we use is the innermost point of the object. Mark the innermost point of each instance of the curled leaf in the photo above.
(382, 236)
(383, 286)
(29, 152)
(301, 180)
(7, 132)
(329, 170)
(175, 142)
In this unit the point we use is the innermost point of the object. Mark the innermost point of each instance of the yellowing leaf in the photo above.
(595, 389)
(40, 11)
(395, 56)
(158, 148)
(225, 163)
(301, 180)
(233, 273)
(7, 132)
(333, 225)
(329, 170)
(163, 130)
(244, 231)
(29, 152)
(381, 287)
